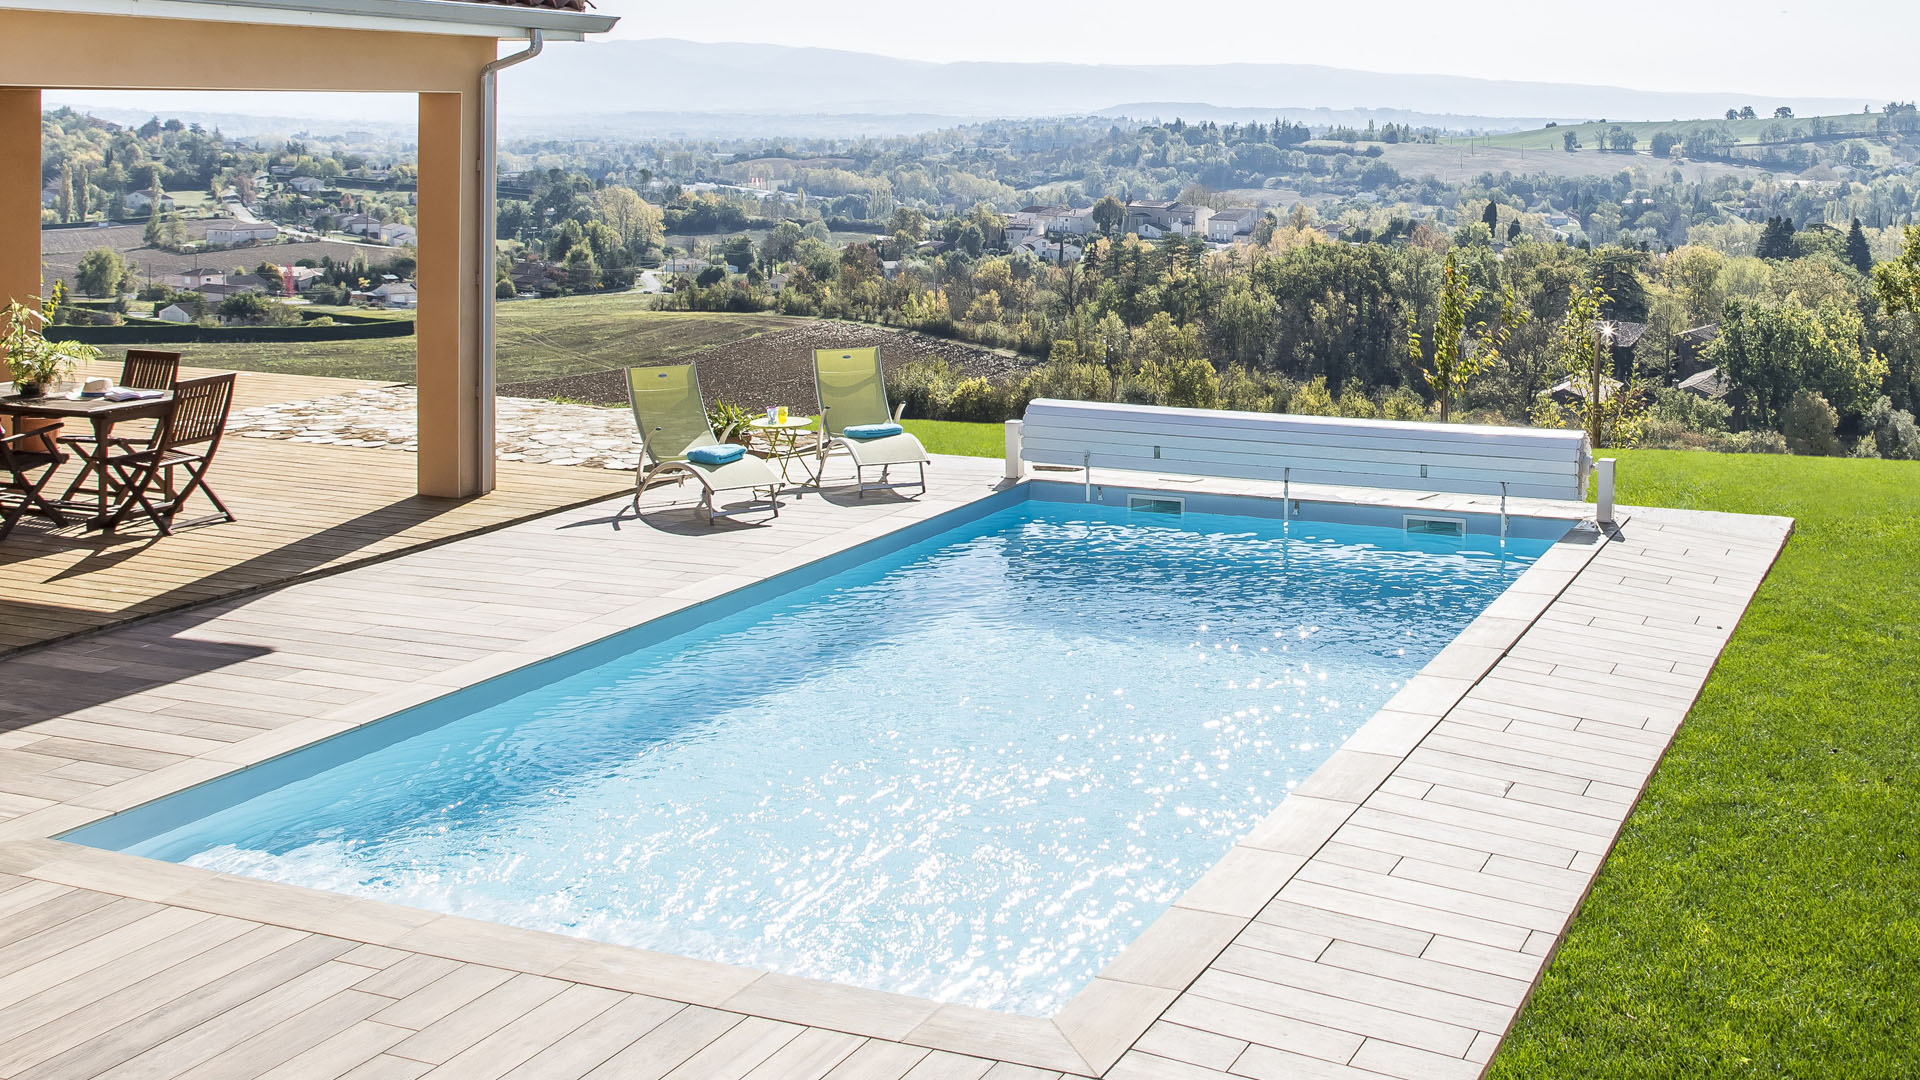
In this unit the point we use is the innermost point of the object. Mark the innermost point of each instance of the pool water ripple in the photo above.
(973, 770)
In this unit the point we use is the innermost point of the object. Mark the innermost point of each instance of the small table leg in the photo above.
(97, 461)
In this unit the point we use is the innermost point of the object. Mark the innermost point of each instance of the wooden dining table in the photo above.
(101, 414)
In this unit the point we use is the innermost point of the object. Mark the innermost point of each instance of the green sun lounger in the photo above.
(672, 418)
(853, 394)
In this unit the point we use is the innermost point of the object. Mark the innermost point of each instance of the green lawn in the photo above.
(538, 339)
(954, 437)
(1761, 914)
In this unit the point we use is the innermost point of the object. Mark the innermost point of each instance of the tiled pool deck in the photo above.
(1388, 919)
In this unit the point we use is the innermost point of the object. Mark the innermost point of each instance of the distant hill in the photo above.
(665, 86)
(1196, 112)
(669, 76)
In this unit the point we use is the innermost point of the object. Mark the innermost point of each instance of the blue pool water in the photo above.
(972, 769)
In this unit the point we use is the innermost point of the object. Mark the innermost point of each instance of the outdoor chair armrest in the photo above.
(142, 456)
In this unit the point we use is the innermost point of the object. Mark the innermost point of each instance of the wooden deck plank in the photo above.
(302, 508)
(1403, 937)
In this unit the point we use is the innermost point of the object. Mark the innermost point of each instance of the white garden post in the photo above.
(1015, 466)
(1603, 509)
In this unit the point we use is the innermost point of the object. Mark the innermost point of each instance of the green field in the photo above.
(1592, 135)
(1760, 916)
(954, 437)
(538, 339)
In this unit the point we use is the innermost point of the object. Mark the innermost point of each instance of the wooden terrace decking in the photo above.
(1389, 919)
(303, 509)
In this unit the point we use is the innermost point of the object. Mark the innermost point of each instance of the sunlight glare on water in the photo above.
(973, 770)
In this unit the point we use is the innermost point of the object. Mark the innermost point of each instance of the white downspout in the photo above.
(489, 210)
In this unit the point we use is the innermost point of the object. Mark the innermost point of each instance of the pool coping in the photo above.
(1087, 1036)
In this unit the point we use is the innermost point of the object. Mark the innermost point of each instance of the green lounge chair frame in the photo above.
(853, 391)
(672, 418)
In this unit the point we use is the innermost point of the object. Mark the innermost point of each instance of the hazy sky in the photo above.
(1837, 48)
(1773, 51)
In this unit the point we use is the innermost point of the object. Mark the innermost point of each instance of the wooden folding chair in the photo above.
(144, 369)
(148, 369)
(189, 435)
(20, 487)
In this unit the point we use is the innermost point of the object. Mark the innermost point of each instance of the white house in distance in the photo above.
(141, 202)
(394, 233)
(195, 278)
(307, 185)
(174, 313)
(360, 225)
(1053, 251)
(1063, 219)
(1022, 226)
(1229, 223)
(1153, 218)
(241, 232)
(396, 294)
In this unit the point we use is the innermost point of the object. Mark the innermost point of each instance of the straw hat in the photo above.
(96, 385)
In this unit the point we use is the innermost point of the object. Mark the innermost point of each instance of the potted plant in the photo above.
(729, 422)
(38, 365)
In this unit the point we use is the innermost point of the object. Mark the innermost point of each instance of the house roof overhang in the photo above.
(450, 17)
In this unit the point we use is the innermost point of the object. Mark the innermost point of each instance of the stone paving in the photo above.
(527, 429)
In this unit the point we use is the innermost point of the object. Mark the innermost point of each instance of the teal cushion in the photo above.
(716, 455)
(871, 431)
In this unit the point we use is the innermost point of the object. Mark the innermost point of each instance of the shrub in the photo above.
(1809, 425)
(1248, 390)
(1680, 409)
(1355, 403)
(1402, 403)
(1142, 386)
(1313, 399)
(1068, 377)
(1192, 383)
(1757, 442)
(975, 399)
(1891, 432)
(923, 386)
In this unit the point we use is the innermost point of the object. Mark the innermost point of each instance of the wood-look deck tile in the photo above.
(1421, 879)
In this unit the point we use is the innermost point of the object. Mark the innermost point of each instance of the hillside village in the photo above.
(1065, 245)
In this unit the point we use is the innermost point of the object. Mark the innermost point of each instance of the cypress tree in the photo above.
(1492, 217)
(1776, 239)
(1857, 251)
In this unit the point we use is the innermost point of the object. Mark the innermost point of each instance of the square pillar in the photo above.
(19, 196)
(456, 448)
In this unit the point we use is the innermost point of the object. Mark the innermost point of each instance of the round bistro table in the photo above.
(783, 443)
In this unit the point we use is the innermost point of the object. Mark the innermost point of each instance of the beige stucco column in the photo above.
(19, 195)
(453, 446)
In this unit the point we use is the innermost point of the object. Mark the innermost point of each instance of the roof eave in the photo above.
(411, 16)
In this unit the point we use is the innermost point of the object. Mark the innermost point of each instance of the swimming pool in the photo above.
(972, 768)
